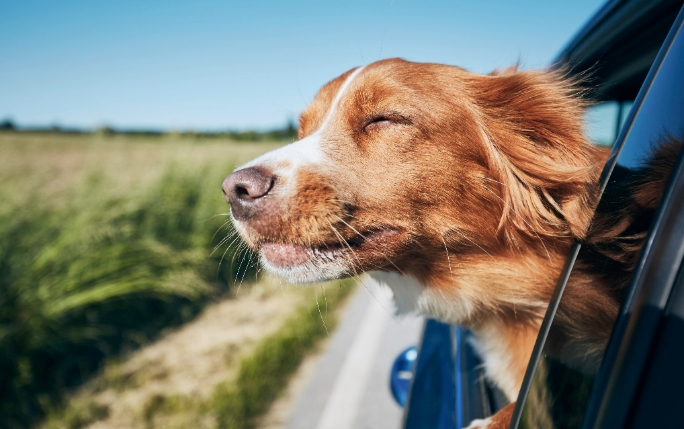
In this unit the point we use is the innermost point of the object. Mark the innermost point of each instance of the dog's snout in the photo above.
(244, 188)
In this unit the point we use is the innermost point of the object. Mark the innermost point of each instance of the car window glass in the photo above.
(624, 112)
(564, 378)
(604, 120)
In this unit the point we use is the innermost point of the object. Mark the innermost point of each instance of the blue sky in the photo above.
(243, 64)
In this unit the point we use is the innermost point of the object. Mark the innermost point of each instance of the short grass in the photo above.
(264, 374)
(104, 242)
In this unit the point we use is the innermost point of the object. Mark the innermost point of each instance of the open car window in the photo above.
(561, 379)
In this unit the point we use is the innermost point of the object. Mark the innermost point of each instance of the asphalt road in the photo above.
(350, 386)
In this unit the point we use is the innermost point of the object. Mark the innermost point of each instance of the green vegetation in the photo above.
(104, 242)
(264, 374)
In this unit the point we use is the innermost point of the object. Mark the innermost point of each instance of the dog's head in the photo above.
(412, 167)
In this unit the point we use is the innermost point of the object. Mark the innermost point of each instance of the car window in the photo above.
(563, 381)
(604, 121)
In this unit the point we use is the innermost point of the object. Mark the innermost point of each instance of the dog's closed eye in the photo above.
(384, 120)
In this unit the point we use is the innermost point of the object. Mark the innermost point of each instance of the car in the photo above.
(633, 53)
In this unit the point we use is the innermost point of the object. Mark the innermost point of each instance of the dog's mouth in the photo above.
(359, 250)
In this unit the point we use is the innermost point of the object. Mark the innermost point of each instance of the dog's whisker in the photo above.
(343, 242)
(222, 242)
(391, 313)
(355, 272)
(319, 311)
(235, 254)
(243, 257)
(282, 289)
(216, 215)
(231, 244)
(220, 228)
(247, 267)
(218, 269)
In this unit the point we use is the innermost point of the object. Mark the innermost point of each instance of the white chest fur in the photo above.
(412, 297)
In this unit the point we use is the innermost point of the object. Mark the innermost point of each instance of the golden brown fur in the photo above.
(473, 185)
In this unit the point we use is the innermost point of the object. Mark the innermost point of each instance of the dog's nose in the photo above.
(243, 189)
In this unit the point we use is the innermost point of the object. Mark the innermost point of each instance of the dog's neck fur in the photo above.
(504, 340)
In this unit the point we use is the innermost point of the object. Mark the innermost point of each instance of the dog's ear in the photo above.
(532, 128)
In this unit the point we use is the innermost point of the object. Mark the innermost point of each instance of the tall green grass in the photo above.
(94, 272)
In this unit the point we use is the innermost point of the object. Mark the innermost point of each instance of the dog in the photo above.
(461, 192)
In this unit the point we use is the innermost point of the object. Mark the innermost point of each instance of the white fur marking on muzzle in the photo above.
(308, 150)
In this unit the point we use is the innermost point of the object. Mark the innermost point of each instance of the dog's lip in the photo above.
(289, 254)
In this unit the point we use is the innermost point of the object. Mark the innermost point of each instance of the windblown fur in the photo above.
(462, 192)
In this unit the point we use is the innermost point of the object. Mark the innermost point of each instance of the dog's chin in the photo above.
(314, 270)
(298, 263)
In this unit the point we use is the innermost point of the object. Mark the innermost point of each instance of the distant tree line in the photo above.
(288, 132)
(7, 124)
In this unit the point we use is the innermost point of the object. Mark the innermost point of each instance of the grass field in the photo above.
(104, 242)
(223, 369)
